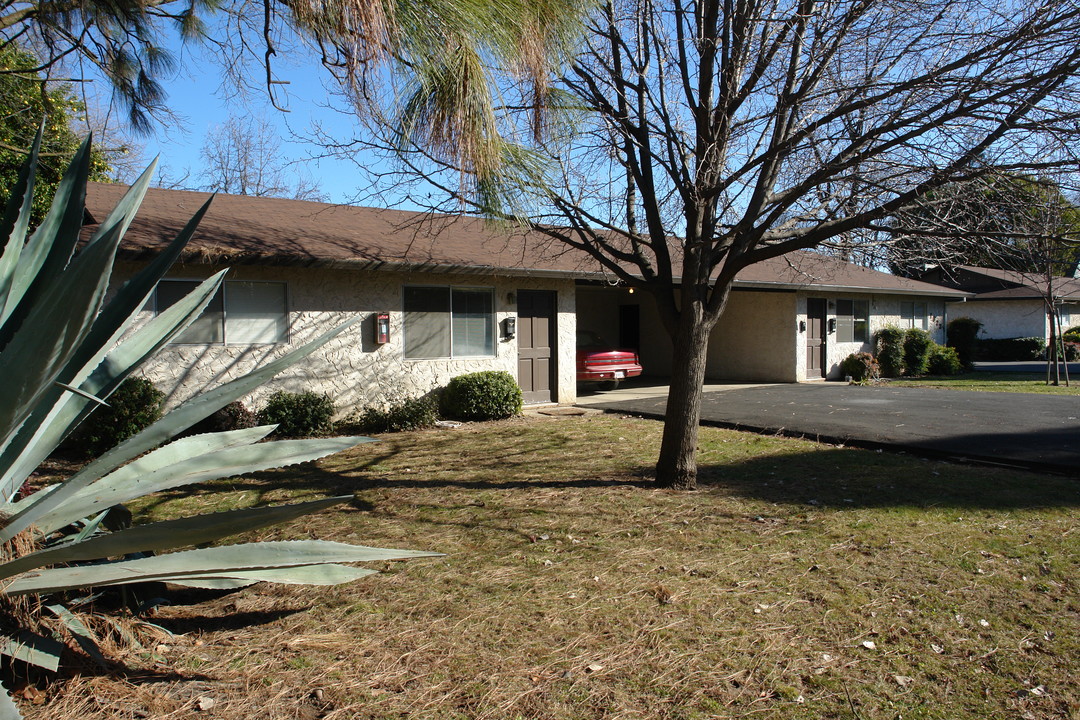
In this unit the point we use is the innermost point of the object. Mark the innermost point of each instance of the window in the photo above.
(913, 315)
(241, 313)
(853, 321)
(448, 322)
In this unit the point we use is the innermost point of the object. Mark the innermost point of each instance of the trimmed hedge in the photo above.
(1010, 349)
(944, 361)
(132, 407)
(963, 334)
(234, 416)
(1072, 335)
(917, 347)
(889, 342)
(407, 414)
(861, 367)
(298, 414)
(486, 395)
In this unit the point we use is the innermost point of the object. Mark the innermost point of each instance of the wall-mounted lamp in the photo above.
(509, 327)
(802, 326)
(631, 291)
(832, 325)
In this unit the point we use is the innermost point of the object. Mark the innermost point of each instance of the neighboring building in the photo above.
(441, 296)
(1009, 304)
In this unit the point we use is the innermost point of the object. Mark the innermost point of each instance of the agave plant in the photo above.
(63, 349)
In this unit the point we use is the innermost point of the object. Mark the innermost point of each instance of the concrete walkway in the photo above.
(1021, 429)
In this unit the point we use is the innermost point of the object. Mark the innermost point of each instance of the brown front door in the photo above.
(815, 338)
(536, 345)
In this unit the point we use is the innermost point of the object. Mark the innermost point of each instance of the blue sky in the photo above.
(196, 97)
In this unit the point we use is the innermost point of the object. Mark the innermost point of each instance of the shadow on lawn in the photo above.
(845, 478)
(829, 476)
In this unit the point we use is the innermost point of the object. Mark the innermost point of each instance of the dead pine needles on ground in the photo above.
(800, 581)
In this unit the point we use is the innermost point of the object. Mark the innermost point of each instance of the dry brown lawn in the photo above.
(800, 581)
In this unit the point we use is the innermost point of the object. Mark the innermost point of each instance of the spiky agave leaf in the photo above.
(174, 422)
(61, 409)
(165, 535)
(227, 462)
(59, 330)
(228, 561)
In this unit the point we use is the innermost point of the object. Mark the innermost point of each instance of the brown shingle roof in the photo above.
(1025, 285)
(241, 229)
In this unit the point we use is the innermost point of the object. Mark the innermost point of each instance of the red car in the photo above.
(598, 361)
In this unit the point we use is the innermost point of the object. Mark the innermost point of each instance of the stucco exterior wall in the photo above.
(884, 311)
(1005, 318)
(353, 368)
(758, 339)
(755, 339)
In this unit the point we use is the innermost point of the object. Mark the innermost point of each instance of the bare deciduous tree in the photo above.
(1023, 226)
(709, 135)
(243, 157)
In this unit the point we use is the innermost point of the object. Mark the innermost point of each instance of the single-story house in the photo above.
(441, 296)
(1009, 304)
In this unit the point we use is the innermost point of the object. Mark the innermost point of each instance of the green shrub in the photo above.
(1072, 351)
(917, 346)
(487, 395)
(407, 414)
(944, 361)
(860, 367)
(889, 342)
(134, 405)
(1072, 334)
(1010, 349)
(298, 414)
(963, 334)
(234, 416)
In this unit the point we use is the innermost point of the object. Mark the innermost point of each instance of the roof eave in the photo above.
(358, 264)
(821, 287)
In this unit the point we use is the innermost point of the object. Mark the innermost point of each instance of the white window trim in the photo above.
(225, 312)
(853, 317)
(452, 356)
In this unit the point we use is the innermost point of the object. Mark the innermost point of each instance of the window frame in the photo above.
(223, 294)
(489, 330)
(848, 322)
(914, 320)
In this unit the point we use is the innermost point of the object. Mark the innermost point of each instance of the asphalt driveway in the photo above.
(1037, 431)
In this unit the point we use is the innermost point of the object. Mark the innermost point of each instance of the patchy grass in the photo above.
(993, 382)
(800, 581)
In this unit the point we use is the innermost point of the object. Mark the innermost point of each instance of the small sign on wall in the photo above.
(382, 328)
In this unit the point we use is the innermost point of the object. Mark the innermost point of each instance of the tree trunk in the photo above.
(677, 465)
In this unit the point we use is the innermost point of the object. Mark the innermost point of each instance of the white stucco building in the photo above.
(441, 296)
(1010, 304)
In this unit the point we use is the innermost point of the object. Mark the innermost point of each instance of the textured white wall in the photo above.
(1005, 318)
(758, 337)
(884, 311)
(352, 368)
(755, 339)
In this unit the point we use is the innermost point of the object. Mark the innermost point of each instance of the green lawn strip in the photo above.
(800, 581)
(993, 382)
